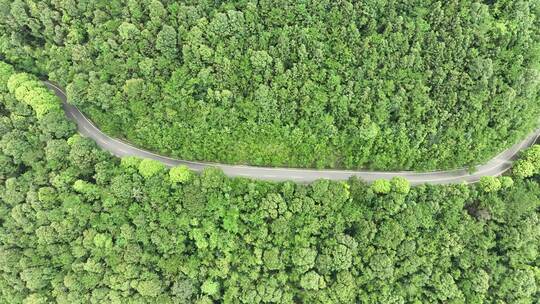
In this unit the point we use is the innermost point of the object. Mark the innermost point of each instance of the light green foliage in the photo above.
(130, 162)
(204, 300)
(180, 174)
(25, 90)
(312, 281)
(157, 10)
(16, 80)
(506, 182)
(381, 186)
(304, 257)
(528, 164)
(490, 183)
(30, 91)
(35, 298)
(90, 190)
(102, 241)
(523, 168)
(400, 185)
(151, 288)
(150, 167)
(47, 195)
(272, 259)
(199, 238)
(74, 139)
(210, 287)
(133, 88)
(336, 254)
(260, 59)
(128, 31)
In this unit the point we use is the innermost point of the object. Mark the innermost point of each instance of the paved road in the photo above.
(494, 167)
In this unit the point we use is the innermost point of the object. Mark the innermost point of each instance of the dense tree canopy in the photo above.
(77, 225)
(381, 84)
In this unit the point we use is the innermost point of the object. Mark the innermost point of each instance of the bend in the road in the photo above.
(496, 166)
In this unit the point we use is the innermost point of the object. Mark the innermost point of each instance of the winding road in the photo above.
(494, 167)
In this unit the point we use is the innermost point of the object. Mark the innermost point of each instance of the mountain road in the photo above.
(494, 167)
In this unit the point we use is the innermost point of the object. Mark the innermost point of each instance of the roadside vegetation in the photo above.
(342, 84)
(78, 225)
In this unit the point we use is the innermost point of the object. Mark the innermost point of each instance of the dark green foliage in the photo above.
(318, 83)
(77, 226)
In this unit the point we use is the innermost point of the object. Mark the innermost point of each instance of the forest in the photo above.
(416, 84)
(78, 225)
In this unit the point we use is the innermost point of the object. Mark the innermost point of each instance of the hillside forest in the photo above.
(417, 84)
(78, 225)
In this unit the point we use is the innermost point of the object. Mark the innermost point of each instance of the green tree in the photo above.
(523, 168)
(54, 125)
(312, 281)
(83, 154)
(166, 41)
(35, 298)
(157, 11)
(150, 167)
(272, 259)
(506, 182)
(180, 174)
(400, 185)
(528, 164)
(6, 71)
(149, 288)
(56, 153)
(381, 186)
(128, 31)
(304, 258)
(7, 167)
(210, 287)
(130, 162)
(260, 59)
(490, 183)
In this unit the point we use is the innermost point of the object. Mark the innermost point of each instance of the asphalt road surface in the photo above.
(494, 167)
